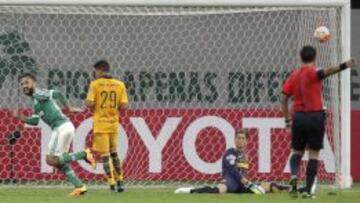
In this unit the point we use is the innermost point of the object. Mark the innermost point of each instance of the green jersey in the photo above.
(46, 108)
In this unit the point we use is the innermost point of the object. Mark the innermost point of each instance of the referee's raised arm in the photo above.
(336, 69)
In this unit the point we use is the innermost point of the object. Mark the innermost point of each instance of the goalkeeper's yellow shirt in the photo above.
(108, 94)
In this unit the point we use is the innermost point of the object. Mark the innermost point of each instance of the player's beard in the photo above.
(30, 92)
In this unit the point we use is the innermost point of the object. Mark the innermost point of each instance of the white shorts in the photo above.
(61, 139)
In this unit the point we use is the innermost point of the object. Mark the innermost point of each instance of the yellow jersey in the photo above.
(108, 94)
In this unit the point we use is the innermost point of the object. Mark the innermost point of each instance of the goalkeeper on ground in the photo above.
(235, 165)
(46, 108)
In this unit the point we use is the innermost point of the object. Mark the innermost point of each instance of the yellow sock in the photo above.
(119, 177)
(108, 168)
(111, 181)
(116, 164)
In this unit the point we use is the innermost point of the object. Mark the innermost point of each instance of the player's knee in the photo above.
(314, 154)
(299, 152)
(115, 158)
(222, 188)
(106, 164)
(102, 152)
(106, 160)
(114, 155)
(113, 150)
(52, 160)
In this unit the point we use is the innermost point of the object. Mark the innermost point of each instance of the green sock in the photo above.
(69, 157)
(71, 176)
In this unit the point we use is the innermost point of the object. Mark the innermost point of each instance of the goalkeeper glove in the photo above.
(256, 189)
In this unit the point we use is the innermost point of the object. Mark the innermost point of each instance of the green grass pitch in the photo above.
(53, 195)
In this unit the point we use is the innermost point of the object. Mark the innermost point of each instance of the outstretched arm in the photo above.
(65, 102)
(31, 120)
(336, 69)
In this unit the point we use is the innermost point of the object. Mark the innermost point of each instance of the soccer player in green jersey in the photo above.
(45, 107)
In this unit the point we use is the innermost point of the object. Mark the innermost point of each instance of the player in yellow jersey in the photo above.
(106, 97)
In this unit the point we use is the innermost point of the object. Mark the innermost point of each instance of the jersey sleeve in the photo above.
(34, 119)
(91, 93)
(56, 94)
(124, 96)
(287, 86)
(229, 161)
(320, 74)
(316, 74)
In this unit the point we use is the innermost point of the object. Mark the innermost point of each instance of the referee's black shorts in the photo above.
(308, 130)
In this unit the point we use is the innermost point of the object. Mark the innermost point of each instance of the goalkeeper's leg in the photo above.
(221, 188)
(206, 189)
(227, 185)
(273, 187)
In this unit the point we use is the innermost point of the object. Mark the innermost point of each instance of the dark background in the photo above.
(355, 4)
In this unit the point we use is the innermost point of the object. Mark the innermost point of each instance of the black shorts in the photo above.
(233, 185)
(308, 130)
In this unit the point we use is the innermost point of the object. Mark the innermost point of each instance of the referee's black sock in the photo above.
(206, 189)
(295, 161)
(311, 172)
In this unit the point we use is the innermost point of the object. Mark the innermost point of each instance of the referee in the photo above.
(307, 124)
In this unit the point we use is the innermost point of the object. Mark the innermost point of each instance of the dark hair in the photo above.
(102, 65)
(242, 131)
(308, 54)
(24, 75)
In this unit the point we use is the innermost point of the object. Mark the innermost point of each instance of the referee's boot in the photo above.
(308, 195)
(293, 184)
(305, 193)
